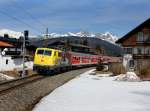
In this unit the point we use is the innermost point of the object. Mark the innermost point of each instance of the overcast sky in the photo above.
(60, 16)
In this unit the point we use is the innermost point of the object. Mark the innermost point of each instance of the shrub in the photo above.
(117, 68)
(100, 67)
(144, 72)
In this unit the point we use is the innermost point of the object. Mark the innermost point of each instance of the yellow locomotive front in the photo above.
(47, 59)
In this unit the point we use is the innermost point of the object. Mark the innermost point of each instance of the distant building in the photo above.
(62, 45)
(136, 46)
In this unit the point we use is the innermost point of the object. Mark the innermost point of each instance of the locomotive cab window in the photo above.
(47, 52)
(40, 52)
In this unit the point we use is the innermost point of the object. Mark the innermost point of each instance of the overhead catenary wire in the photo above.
(28, 13)
(19, 20)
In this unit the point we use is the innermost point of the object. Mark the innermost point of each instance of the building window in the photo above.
(142, 50)
(141, 36)
(147, 50)
(128, 50)
(139, 51)
(148, 39)
(6, 61)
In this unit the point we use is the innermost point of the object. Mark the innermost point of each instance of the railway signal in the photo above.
(26, 35)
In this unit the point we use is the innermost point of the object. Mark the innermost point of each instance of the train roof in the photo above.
(43, 48)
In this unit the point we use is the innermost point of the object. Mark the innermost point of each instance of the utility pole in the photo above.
(47, 33)
(24, 52)
(46, 37)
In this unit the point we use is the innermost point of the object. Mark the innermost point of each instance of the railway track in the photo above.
(23, 94)
(19, 82)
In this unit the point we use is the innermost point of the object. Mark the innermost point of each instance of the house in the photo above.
(11, 54)
(136, 46)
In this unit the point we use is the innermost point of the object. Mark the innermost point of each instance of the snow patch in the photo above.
(130, 76)
(105, 75)
(87, 94)
(5, 77)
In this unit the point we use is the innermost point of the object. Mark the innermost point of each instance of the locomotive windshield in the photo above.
(40, 52)
(47, 52)
(44, 52)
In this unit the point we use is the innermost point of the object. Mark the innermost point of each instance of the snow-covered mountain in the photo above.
(107, 36)
(11, 33)
(78, 34)
(104, 36)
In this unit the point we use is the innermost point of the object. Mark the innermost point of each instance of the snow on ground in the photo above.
(129, 76)
(93, 93)
(5, 77)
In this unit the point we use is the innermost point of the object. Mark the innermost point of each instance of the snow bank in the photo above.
(86, 93)
(130, 76)
(5, 77)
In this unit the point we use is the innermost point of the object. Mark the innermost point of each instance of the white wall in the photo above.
(3, 65)
(9, 64)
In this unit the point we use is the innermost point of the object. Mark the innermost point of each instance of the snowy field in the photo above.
(93, 93)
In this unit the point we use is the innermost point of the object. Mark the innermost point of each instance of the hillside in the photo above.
(110, 49)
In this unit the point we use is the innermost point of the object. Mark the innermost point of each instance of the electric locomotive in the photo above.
(49, 60)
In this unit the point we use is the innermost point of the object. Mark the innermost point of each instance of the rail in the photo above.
(15, 83)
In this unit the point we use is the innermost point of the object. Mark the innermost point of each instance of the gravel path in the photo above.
(24, 99)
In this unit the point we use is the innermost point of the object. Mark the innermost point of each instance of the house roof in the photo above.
(145, 24)
(5, 44)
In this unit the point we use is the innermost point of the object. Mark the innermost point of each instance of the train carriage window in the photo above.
(48, 52)
(40, 52)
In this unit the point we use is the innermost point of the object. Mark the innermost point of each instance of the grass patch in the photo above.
(144, 72)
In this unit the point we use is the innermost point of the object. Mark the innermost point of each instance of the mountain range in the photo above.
(11, 33)
(107, 36)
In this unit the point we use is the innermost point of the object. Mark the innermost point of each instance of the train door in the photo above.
(38, 56)
(55, 54)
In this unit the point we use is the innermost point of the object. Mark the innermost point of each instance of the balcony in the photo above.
(143, 43)
(13, 53)
(141, 56)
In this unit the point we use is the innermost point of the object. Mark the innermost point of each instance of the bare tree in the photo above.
(99, 49)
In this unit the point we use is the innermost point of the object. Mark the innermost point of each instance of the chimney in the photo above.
(6, 36)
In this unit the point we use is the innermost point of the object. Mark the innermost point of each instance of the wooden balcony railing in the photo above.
(141, 56)
(13, 53)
